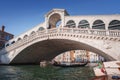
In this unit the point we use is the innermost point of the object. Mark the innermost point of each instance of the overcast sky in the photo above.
(21, 15)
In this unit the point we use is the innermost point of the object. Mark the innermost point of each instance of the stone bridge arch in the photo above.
(49, 45)
(48, 49)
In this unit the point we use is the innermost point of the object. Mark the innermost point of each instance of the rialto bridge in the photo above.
(61, 32)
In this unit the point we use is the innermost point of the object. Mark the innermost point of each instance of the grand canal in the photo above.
(35, 72)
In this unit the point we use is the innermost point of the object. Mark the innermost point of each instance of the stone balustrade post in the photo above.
(88, 31)
(58, 30)
(107, 32)
(94, 32)
(46, 31)
(72, 30)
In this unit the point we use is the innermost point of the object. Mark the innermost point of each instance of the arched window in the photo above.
(13, 42)
(41, 29)
(18, 39)
(25, 36)
(58, 24)
(84, 24)
(115, 24)
(98, 24)
(33, 32)
(7, 45)
(70, 24)
(54, 20)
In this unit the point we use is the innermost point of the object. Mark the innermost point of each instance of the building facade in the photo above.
(4, 37)
(78, 56)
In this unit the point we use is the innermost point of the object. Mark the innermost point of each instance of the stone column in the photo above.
(46, 22)
(62, 20)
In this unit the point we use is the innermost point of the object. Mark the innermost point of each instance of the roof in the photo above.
(6, 32)
(56, 9)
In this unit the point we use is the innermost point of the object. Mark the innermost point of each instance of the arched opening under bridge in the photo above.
(48, 49)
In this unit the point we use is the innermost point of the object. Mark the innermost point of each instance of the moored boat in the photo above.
(99, 70)
(111, 68)
(69, 64)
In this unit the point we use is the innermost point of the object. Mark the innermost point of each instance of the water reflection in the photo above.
(34, 72)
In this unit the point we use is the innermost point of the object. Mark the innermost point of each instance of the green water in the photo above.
(35, 72)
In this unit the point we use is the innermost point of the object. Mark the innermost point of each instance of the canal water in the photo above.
(35, 72)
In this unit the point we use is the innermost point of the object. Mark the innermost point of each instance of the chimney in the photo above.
(3, 28)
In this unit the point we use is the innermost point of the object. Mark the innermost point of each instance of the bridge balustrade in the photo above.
(66, 30)
(81, 31)
(114, 33)
(41, 32)
(54, 30)
(98, 32)
(45, 33)
(101, 33)
(84, 31)
(33, 36)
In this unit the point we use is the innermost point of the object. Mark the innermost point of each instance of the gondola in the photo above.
(69, 64)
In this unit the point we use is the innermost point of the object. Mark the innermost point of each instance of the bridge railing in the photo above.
(53, 30)
(38, 34)
(41, 32)
(99, 32)
(65, 30)
(114, 33)
(84, 31)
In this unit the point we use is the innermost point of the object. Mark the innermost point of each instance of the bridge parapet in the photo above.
(110, 33)
(53, 30)
(114, 33)
(92, 33)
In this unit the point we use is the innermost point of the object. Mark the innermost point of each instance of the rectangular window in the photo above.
(7, 37)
